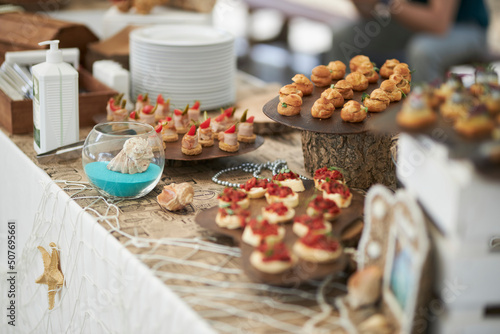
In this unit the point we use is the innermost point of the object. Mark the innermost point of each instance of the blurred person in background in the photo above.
(430, 35)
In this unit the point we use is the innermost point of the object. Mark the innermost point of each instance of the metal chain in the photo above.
(274, 166)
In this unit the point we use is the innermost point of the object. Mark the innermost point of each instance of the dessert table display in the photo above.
(130, 266)
(188, 251)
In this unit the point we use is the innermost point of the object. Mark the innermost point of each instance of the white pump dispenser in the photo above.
(54, 55)
(55, 102)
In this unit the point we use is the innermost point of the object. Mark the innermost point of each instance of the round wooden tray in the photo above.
(303, 270)
(332, 125)
(173, 150)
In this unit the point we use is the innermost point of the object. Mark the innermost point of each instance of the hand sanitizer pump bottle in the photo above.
(55, 102)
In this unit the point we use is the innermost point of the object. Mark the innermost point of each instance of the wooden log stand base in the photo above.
(364, 157)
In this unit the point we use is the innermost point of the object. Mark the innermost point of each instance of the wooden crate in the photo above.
(17, 116)
(23, 31)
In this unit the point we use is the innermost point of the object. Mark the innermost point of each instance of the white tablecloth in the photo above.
(106, 290)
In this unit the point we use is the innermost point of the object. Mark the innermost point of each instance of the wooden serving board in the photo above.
(173, 150)
(332, 125)
(303, 270)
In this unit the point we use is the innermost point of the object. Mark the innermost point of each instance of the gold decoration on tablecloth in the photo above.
(52, 275)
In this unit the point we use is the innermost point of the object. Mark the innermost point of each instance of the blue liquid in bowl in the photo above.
(119, 184)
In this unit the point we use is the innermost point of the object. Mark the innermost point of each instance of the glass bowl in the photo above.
(121, 170)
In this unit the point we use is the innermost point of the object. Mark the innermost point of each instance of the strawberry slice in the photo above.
(220, 118)
(112, 104)
(133, 115)
(159, 99)
(232, 129)
(205, 124)
(140, 97)
(158, 128)
(250, 119)
(229, 111)
(148, 109)
(196, 105)
(178, 112)
(192, 131)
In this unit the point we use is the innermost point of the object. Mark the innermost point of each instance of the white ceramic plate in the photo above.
(181, 35)
(182, 69)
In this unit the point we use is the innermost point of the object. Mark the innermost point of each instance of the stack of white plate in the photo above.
(184, 63)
